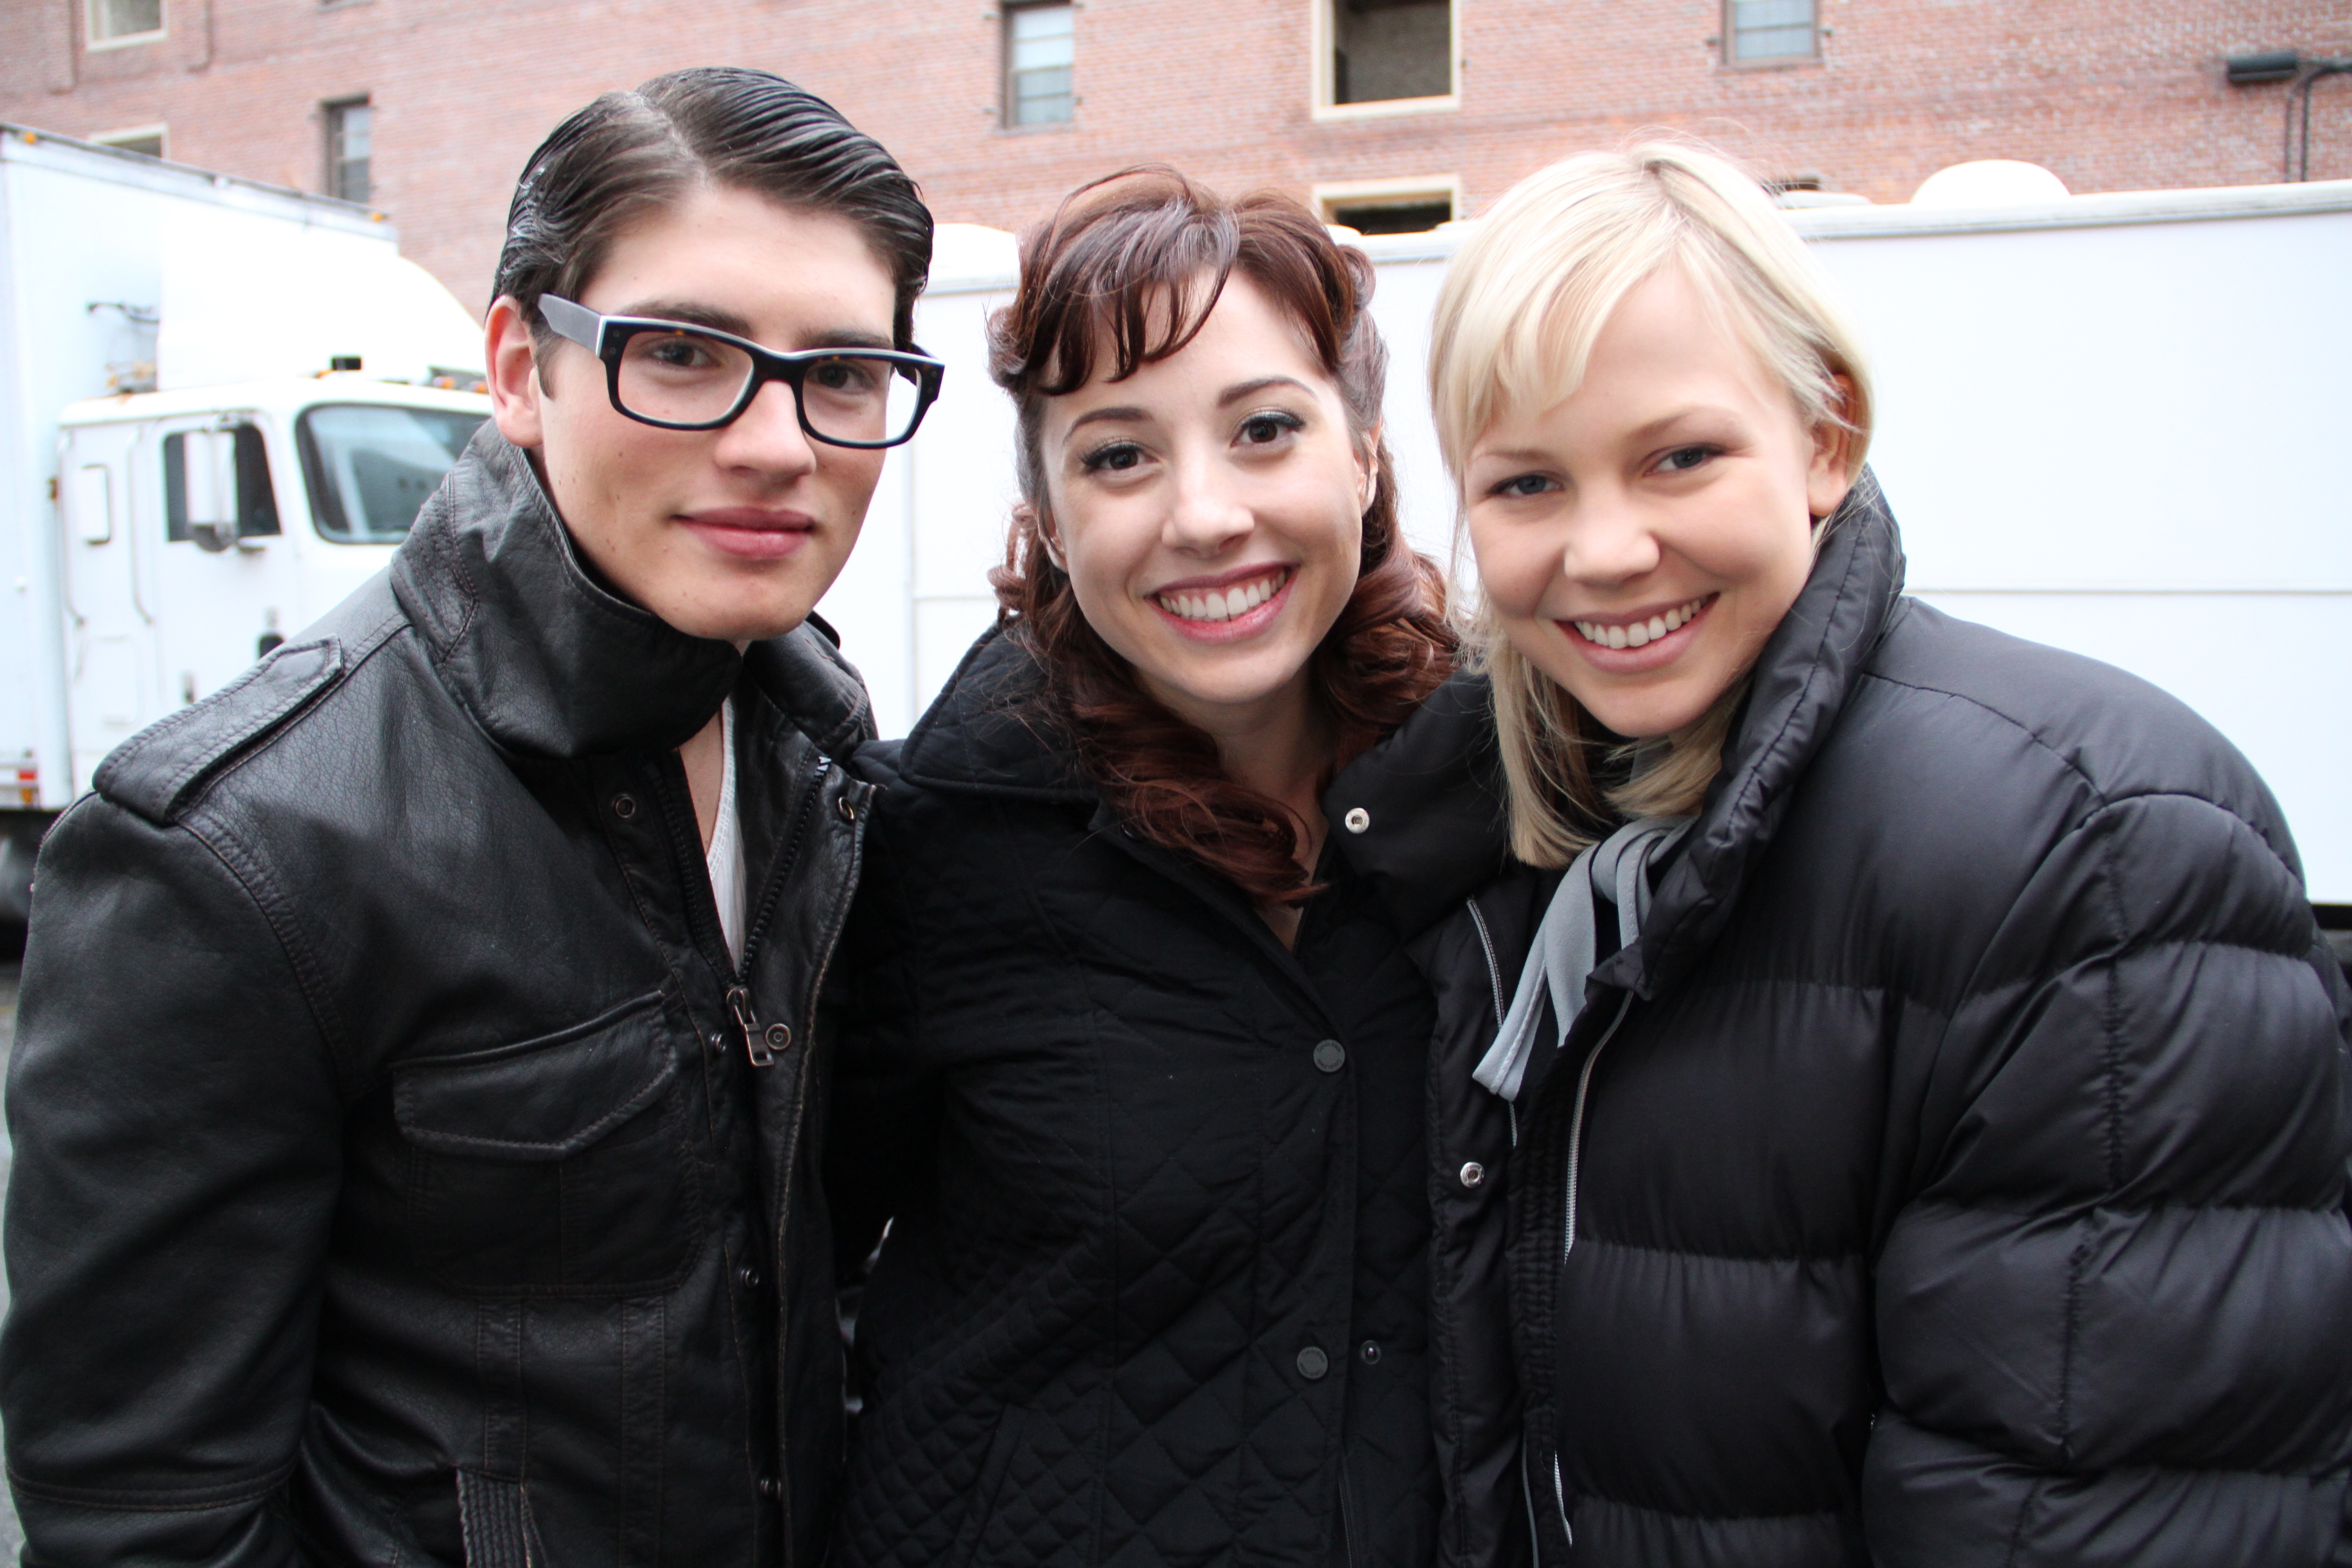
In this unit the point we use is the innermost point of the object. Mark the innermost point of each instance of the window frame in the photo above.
(1730, 43)
(92, 40)
(1404, 191)
(332, 112)
(160, 133)
(1322, 85)
(1008, 97)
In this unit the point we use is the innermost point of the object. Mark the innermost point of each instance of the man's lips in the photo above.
(750, 533)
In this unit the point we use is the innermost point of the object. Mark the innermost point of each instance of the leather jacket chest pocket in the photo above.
(557, 1166)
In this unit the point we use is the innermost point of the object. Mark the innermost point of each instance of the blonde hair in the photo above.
(1523, 303)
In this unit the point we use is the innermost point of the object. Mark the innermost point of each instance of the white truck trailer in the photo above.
(221, 403)
(2120, 423)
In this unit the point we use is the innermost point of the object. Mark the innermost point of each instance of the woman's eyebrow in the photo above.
(1121, 416)
(1240, 390)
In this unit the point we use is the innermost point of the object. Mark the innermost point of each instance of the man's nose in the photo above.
(766, 436)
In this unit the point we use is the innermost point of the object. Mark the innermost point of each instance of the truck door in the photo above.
(226, 576)
(111, 675)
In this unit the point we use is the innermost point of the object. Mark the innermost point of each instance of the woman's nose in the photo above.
(1608, 543)
(1204, 515)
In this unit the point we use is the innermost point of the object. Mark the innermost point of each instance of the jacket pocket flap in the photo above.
(543, 1100)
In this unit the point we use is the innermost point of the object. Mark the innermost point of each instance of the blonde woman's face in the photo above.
(1638, 541)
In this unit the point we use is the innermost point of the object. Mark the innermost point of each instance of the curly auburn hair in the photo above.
(1128, 272)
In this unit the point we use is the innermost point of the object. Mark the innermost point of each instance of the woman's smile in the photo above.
(1630, 642)
(1228, 608)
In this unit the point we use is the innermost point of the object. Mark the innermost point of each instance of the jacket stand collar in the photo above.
(548, 662)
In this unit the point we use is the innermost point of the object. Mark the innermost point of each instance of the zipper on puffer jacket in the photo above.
(1495, 987)
(1576, 1150)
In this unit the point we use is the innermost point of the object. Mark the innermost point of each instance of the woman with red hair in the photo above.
(1137, 1096)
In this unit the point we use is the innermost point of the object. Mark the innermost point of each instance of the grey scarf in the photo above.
(1617, 868)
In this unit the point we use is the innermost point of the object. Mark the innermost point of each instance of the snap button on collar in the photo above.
(1357, 820)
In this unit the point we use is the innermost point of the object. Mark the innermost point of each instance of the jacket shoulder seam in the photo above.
(244, 866)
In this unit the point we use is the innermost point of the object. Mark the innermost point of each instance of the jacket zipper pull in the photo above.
(755, 1040)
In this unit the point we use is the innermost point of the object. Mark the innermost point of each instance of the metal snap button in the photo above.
(848, 807)
(1330, 1056)
(1473, 1174)
(778, 1037)
(748, 1277)
(1357, 820)
(1371, 1352)
(770, 1487)
(1313, 1363)
(625, 806)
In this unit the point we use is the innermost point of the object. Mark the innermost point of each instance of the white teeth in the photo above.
(1640, 632)
(1224, 605)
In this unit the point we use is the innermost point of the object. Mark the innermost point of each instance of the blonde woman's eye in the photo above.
(1681, 459)
(1522, 485)
(1264, 429)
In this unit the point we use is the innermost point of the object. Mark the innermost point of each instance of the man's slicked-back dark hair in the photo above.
(630, 154)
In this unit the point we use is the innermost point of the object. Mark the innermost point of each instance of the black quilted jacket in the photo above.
(1962, 1180)
(393, 1181)
(1154, 1288)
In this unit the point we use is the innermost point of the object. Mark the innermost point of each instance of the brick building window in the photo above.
(348, 128)
(125, 21)
(145, 140)
(1393, 52)
(1390, 206)
(1756, 31)
(1038, 53)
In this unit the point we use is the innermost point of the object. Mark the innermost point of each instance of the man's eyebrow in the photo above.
(1235, 393)
(687, 312)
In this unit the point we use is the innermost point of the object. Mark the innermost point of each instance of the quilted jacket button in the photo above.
(1330, 1056)
(1313, 1363)
(1473, 1174)
(1357, 820)
(1371, 1351)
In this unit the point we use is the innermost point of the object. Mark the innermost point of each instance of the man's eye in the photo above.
(679, 353)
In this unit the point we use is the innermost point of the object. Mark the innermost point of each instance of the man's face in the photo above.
(732, 533)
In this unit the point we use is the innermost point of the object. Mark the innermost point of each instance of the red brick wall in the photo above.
(2110, 94)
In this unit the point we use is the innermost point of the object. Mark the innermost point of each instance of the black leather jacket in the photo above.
(404, 1171)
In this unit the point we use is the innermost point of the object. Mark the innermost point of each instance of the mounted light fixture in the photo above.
(2303, 71)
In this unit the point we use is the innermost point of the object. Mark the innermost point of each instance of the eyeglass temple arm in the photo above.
(577, 322)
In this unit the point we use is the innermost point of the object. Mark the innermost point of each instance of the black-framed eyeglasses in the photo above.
(683, 377)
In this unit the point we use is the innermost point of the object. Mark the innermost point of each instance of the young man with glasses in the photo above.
(417, 1083)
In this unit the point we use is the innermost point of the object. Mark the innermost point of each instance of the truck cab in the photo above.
(203, 528)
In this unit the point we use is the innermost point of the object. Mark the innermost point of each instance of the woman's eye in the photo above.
(1681, 459)
(1522, 485)
(1116, 459)
(1264, 429)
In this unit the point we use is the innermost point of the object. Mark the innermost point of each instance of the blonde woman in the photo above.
(1898, 1089)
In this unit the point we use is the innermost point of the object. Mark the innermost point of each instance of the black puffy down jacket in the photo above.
(1965, 1182)
(1154, 1289)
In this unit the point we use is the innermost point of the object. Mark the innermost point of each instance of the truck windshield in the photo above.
(371, 466)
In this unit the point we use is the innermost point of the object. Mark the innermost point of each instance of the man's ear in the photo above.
(514, 379)
(1836, 443)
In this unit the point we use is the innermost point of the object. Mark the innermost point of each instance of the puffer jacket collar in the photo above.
(1434, 790)
(548, 662)
(987, 734)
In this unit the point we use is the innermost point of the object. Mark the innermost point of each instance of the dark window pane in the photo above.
(256, 514)
(1384, 50)
(1394, 218)
(349, 133)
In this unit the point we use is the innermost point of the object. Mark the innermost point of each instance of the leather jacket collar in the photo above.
(546, 660)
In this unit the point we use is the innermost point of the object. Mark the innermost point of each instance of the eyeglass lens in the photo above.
(685, 378)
